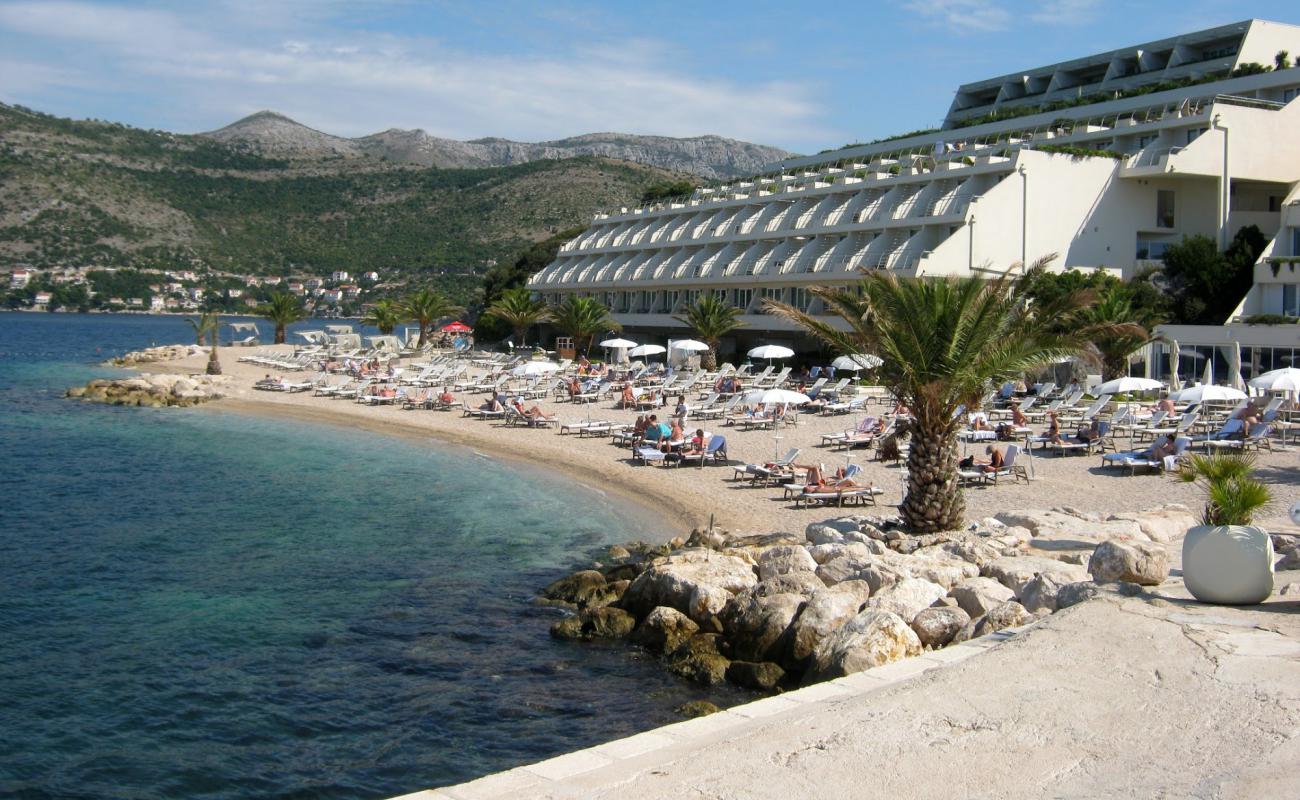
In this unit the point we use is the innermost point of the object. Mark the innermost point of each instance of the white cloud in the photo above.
(1065, 12)
(357, 83)
(964, 16)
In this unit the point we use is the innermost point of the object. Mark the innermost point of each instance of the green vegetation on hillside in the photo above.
(75, 194)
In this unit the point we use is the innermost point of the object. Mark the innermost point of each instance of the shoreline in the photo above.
(680, 520)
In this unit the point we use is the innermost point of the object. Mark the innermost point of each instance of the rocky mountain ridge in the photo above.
(275, 134)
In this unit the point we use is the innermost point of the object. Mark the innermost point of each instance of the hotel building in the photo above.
(1105, 160)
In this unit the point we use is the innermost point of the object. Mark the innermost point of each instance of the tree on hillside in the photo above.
(582, 318)
(711, 318)
(283, 309)
(943, 342)
(385, 315)
(520, 310)
(426, 307)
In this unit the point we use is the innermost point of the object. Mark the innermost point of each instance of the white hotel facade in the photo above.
(1188, 149)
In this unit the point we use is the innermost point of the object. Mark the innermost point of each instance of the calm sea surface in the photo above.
(202, 604)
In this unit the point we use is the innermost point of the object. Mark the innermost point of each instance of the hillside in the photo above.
(272, 134)
(76, 193)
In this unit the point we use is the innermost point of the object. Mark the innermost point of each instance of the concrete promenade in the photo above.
(1146, 696)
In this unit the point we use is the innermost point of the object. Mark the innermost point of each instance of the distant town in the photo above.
(87, 289)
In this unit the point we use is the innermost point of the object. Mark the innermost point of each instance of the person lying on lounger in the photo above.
(532, 414)
(1167, 447)
(816, 481)
(494, 404)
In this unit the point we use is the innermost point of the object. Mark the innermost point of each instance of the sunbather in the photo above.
(493, 404)
(628, 398)
(816, 481)
(446, 397)
(993, 463)
(675, 434)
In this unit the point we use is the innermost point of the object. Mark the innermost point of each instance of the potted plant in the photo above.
(1227, 560)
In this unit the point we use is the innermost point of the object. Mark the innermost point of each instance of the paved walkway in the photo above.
(1135, 697)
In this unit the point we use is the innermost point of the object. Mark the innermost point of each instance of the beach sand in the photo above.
(690, 496)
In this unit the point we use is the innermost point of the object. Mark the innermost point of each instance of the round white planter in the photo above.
(1228, 564)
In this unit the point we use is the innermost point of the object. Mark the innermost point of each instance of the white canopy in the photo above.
(1203, 392)
(690, 346)
(315, 337)
(529, 368)
(236, 327)
(770, 351)
(1127, 384)
(350, 340)
(776, 397)
(647, 350)
(385, 342)
(618, 343)
(1286, 379)
(338, 329)
(856, 362)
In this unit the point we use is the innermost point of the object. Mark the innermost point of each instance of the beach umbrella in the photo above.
(1127, 384)
(455, 327)
(771, 351)
(1286, 379)
(776, 397)
(647, 350)
(1175, 350)
(690, 346)
(1204, 392)
(530, 368)
(1234, 367)
(856, 362)
(617, 344)
(1207, 377)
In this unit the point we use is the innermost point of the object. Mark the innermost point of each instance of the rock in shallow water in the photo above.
(664, 630)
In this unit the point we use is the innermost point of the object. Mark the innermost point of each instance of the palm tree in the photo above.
(943, 343)
(583, 318)
(1114, 327)
(426, 307)
(208, 324)
(385, 315)
(520, 310)
(283, 309)
(711, 318)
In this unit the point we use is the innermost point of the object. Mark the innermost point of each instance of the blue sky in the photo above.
(801, 76)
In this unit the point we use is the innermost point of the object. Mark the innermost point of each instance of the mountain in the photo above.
(91, 193)
(707, 156)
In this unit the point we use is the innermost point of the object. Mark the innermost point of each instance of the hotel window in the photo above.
(670, 300)
(1164, 208)
(1290, 303)
(800, 298)
(1274, 203)
(742, 298)
(772, 293)
(692, 295)
(1290, 94)
(1194, 133)
(1295, 241)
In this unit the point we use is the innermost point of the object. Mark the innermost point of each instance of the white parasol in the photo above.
(1286, 379)
(771, 351)
(856, 362)
(1125, 385)
(690, 346)
(1204, 392)
(529, 368)
(647, 350)
(618, 344)
(776, 397)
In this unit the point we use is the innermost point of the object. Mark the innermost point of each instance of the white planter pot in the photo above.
(1228, 564)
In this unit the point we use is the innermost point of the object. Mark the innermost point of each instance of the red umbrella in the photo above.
(456, 327)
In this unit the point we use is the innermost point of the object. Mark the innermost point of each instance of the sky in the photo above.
(802, 76)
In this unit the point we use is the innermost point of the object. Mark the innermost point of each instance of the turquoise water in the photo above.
(202, 604)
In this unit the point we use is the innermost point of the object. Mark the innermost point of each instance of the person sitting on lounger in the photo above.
(628, 397)
(446, 398)
(675, 434)
(584, 366)
(639, 427)
(1089, 433)
(1165, 404)
(1053, 435)
(1007, 430)
(979, 421)
(575, 387)
(493, 404)
(697, 444)
(1166, 447)
(655, 431)
(993, 463)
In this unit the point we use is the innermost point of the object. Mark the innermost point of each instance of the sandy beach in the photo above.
(691, 496)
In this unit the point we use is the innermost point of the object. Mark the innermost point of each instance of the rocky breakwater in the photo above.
(152, 390)
(154, 355)
(776, 611)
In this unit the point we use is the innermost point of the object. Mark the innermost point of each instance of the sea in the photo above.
(196, 603)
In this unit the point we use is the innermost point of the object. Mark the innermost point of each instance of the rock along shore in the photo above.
(154, 355)
(776, 611)
(152, 390)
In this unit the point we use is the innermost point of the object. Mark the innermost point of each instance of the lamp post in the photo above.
(970, 250)
(1024, 217)
(1224, 191)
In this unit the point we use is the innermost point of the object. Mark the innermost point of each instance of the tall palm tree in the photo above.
(283, 309)
(385, 315)
(943, 343)
(426, 307)
(583, 318)
(208, 325)
(1114, 326)
(520, 310)
(711, 318)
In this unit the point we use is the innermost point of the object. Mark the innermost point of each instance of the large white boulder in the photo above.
(936, 627)
(1014, 572)
(784, 559)
(977, 596)
(871, 639)
(697, 582)
(824, 612)
(1143, 563)
(907, 598)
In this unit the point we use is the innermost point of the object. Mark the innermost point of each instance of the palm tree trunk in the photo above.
(214, 366)
(279, 333)
(710, 360)
(934, 500)
(424, 326)
(520, 334)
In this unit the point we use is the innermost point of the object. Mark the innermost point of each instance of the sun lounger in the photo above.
(1134, 461)
(774, 472)
(715, 451)
(648, 455)
(859, 495)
